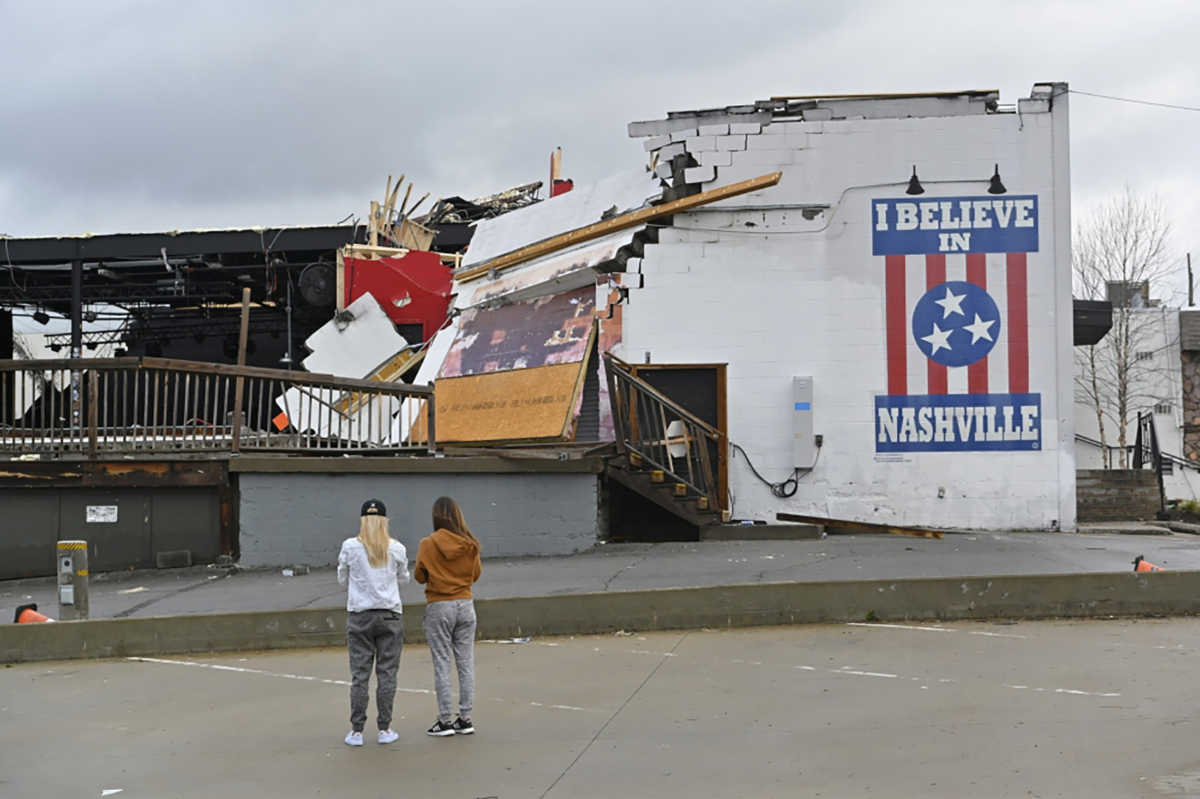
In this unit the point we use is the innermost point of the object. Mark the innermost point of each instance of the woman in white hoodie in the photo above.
(374, 566)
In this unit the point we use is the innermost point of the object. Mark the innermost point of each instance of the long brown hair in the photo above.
(373, 533)
(448, 516)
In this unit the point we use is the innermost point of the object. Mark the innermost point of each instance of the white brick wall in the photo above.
(745, 127)
(700, 144)
(792, 296)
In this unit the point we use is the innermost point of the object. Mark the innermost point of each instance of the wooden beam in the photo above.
(631, 219)
(244, 330)
(353, 250)
(865, 527)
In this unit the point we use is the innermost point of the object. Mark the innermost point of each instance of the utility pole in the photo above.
(76, 342)
(1191, 286)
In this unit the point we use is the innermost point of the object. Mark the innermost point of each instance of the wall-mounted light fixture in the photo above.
(994, 185)
(914, 185)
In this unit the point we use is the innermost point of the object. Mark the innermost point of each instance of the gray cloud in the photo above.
(141, 116)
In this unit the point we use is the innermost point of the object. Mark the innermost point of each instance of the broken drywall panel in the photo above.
(550, 274)
(435, 356)
(522, 335)
(355, 342)
(370, 419)
(584, 205)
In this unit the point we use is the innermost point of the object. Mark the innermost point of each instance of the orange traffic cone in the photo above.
(1140, 564)
(28, 614)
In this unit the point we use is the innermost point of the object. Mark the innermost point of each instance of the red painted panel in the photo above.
(413, 289)
(1018, 324)
(897, 325)
(977, 373)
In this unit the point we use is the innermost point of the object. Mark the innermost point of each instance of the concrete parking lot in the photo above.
(1090, 708)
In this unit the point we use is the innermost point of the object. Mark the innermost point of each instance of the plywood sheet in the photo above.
(515, 405)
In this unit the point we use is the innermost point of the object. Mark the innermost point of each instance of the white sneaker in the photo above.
(353, 738)
(385, 736)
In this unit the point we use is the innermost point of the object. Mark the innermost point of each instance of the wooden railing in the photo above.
(99, 407)
(662, 435)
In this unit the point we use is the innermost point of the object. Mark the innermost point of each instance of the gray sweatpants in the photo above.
(450, 629)
(378, 636)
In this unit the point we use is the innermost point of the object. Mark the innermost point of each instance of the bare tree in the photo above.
(1120, 252)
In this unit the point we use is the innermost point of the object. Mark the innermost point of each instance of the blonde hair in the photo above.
(448, 516)
(374, 536)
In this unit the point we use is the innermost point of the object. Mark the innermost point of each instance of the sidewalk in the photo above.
(635, 567)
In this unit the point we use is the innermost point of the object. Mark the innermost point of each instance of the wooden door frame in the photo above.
(722, 416)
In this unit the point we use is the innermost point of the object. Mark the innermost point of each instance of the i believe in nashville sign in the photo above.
(956, 298)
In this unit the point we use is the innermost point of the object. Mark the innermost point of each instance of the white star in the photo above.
(951, 303)
(937, 339)
(979, 329)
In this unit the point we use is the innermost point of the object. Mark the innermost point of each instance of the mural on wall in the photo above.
(522, 335)
(956, 302)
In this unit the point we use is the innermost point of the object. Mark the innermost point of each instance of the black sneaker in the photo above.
(462, 726)
(441, 729)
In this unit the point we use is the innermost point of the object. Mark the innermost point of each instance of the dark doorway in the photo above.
(700, 390)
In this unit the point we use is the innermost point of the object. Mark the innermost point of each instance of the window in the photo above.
(1164, 408)
(1145, 356)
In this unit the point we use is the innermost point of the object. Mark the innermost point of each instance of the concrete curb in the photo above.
(944, 598)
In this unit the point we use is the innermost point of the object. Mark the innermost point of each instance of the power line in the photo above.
(1139, 102)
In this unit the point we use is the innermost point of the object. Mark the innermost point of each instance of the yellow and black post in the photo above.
(72, 580)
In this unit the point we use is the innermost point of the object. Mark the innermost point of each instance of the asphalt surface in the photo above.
(1041, 709)
(630, 567)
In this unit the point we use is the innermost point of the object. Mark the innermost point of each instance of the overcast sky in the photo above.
(140, 116)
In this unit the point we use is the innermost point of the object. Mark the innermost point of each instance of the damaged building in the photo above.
(853, 307)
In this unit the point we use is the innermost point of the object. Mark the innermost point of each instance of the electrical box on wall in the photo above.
(804, 445)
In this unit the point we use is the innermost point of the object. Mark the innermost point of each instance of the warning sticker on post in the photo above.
(101, 514)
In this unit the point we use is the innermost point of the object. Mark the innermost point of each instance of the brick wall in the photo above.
(1107, 495)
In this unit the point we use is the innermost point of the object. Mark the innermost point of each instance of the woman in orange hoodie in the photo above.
(448, 564)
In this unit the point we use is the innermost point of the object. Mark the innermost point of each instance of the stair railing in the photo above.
(659, 434)
(1146, 453)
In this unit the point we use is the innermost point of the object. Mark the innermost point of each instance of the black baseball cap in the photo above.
(374, 507)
